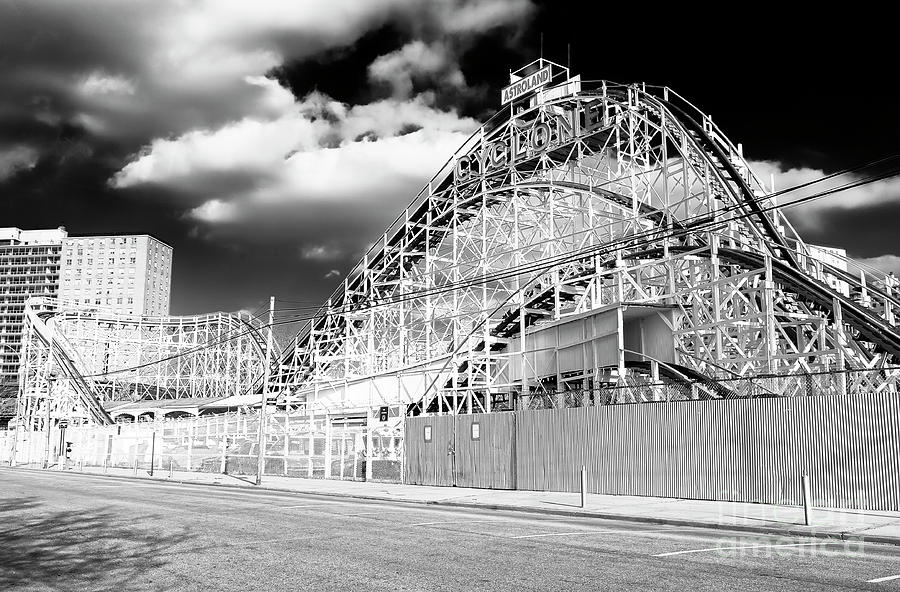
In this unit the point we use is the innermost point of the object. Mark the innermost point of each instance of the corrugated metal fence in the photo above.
(461, 450)
(749, 450)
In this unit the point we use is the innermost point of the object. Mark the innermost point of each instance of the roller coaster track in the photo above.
(102, 356)
(870, 327)
(446, 204)
(64, 354)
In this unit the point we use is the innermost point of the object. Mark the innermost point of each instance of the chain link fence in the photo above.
(319, 446)
(295, 445)
(880, 380)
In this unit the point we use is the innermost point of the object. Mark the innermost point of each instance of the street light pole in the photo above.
(261, 452)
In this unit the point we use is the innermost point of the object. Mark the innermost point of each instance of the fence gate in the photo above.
(461, 450)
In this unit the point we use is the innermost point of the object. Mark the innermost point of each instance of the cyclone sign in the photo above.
(528, 138)
(525, 86)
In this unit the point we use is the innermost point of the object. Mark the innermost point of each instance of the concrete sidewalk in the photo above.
(854, 525)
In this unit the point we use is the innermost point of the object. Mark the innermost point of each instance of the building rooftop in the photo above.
(26, 237)
(120, 235)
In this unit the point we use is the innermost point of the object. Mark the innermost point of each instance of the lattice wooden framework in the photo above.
(85, 358)
(572, 199)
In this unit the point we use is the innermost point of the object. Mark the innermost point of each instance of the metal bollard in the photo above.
(135, 466)
(170, 468)
(152, 453)
(583, 485)
(807, 504)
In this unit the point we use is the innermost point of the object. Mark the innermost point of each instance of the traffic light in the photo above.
(382, 414)
(68, 449)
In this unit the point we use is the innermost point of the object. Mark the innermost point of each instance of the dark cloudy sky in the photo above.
(270, 142)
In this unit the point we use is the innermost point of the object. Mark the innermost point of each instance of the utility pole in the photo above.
(261, 453)
(49, 378)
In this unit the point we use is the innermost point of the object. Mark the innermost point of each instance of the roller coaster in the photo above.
(585, 199)
(78, 361)
(592, 243)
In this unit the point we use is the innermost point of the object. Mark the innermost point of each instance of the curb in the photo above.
(794, 530)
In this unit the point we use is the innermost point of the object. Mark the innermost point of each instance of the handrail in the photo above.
(733, 152)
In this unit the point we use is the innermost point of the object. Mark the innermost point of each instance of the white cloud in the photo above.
(809, 216)
(246, 145)
(361, 170)
(214, 211)
(15, 159)
(886, 263)
(99, 83)
(416, 60)
(390, 117)
(320, 149)
(276, 98)
(184, 65)
(321, 252)
(482, 15)
(332, 273)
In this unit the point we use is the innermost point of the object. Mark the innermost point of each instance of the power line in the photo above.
(724, 210)
(653, 235)
(630, 240)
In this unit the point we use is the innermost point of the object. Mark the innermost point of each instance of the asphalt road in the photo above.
(86, 533)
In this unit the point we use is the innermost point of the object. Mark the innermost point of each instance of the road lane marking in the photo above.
(551, 534)
(376, 513)
(267, 541)
(884, 579)
(774, 546)
(582, 532)
(316, 504)
(454, 522)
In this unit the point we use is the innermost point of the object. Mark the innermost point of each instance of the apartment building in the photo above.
(123, 274)
(29, 266)
(126, 274)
